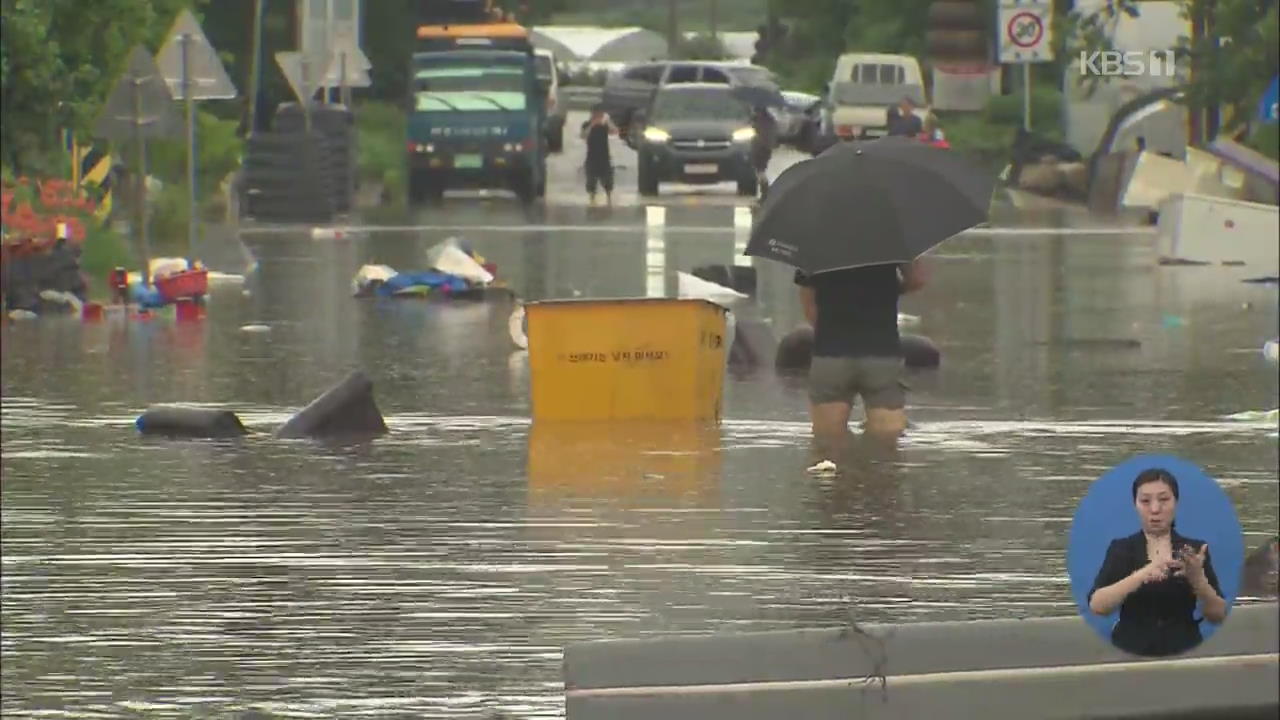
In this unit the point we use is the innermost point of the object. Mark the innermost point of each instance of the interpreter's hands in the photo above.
(1193, 564)
(1158, 570)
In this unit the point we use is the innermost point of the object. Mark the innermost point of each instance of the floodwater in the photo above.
(439, 570)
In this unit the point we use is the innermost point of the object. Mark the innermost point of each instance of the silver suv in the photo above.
(632, 89)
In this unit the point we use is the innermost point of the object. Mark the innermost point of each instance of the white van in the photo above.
(863, 88)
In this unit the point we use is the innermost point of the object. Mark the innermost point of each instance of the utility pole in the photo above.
(1196, 120)
(673, 29)
(255, 65)
(714, 20)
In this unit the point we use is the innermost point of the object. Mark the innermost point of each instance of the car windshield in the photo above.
(710, 104)
(458, 86)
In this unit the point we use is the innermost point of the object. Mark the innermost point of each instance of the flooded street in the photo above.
(438, 571)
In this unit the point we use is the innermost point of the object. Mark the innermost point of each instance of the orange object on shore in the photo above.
(186, 284)
(92, 312)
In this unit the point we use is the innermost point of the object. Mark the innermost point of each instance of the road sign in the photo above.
(357, 67)
(302, 74)
(1025, 28)
(140, 104)
(205, 72)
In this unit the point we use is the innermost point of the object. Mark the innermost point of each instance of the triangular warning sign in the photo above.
(303, 76)
(357, 67)
(205, 72)
(139, 104)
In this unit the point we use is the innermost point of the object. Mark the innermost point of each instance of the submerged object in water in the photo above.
(753, 342)
(347, 409)
(189, 422)
(795, 352)
(1261, 575)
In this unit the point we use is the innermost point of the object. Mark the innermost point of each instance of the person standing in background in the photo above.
(599, 164)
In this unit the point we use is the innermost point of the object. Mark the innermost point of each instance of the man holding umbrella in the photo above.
(854, 221)
(856, 345)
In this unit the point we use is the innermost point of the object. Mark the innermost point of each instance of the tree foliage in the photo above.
(58, 60)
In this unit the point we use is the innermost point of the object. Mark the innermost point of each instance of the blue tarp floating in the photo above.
(429, 278)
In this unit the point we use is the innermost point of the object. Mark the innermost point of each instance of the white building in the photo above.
(596, 46)
(1156, 29)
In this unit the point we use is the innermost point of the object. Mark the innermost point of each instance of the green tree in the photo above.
(58, 60)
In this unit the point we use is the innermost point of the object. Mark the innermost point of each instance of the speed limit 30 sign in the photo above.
(1025, 31)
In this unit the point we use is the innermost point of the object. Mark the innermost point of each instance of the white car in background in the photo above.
(798, 119)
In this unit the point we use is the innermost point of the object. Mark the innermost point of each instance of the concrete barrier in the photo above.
(1039, 668)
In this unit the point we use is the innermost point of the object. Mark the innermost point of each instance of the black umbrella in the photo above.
(869, 203)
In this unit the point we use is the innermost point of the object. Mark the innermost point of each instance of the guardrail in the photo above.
(581, 97)
(1036, 669)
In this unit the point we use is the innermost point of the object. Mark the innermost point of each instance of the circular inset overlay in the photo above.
(1201, 513)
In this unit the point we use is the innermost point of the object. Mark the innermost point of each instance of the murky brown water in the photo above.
(439, 570)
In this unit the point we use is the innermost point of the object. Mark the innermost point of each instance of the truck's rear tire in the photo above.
(555, 139)
(748, 186)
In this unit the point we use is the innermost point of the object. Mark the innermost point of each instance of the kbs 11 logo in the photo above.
(1130, 63)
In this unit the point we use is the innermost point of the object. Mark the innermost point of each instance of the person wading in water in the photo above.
(599, 165)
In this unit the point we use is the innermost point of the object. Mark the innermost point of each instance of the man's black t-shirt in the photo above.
(857, 311)
(597, 146)
(908, 125)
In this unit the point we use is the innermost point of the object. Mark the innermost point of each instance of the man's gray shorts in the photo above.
(841, 379)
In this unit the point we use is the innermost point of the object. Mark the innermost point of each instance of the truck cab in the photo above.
(477, 117)
(862, 89)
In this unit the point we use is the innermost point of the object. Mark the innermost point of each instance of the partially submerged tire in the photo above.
(795, 352)
(748, 187)
(174, 421)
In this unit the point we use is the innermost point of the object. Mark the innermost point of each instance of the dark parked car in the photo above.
(632, 88)
(696, 133)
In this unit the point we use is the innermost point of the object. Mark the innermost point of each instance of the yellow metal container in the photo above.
(626, 359)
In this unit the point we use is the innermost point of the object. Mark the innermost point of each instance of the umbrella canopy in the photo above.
(869, 203)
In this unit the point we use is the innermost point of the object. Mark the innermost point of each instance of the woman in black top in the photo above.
(1156, 576)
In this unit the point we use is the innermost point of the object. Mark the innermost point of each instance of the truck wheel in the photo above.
(647, 179)
(748, 186)
(555, 139)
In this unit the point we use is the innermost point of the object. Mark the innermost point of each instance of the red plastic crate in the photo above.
(186, 284)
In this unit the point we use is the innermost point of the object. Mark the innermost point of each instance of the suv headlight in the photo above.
(745, 134)
(656, 135)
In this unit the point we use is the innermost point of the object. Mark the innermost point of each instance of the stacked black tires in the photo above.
(291, 176)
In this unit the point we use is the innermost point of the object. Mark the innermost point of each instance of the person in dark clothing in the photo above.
(856, 348)
(599, 165)
(1157, 576)
(906, 123)
(762, 145)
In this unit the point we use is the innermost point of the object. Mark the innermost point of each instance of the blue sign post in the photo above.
(1268, 111)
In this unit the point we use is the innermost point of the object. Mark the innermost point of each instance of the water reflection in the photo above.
(625, 463)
